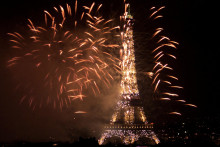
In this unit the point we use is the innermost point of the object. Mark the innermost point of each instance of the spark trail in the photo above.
(162, 73)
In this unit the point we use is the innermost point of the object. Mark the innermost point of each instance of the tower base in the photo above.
(128, 134)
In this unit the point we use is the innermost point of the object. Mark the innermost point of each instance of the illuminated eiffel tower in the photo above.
(128, 123)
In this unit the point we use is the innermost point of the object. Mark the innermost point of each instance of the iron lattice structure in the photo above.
(128, 122)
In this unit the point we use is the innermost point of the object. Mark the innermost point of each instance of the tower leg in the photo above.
(102, 139)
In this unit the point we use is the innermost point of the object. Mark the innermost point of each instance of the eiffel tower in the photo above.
(128, 123)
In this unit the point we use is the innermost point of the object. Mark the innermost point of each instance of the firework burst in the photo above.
(69, 53)
(164, 82)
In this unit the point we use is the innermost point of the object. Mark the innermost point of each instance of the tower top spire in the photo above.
(129, 16)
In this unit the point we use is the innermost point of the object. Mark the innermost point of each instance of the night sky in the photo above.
(192, 23)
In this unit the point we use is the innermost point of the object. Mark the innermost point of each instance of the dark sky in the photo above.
(192, 23)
